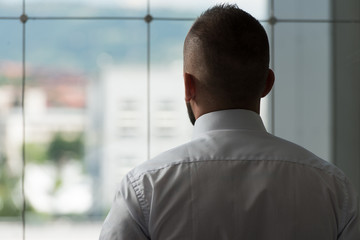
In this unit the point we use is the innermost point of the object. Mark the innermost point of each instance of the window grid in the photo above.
(272, 21)
(23, 19)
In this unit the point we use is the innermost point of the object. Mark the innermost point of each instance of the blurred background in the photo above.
(89, 89)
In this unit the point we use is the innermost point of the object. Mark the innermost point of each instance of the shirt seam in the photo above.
(192, 205)
(345, 205)
(339, 176)
(140, 196)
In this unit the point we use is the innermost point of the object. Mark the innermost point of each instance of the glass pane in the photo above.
(192, 9)
(170, 125)
(11, 137)
(57, 230)
(302, 85)
(346, 99)
(10, 8)
(86, 8)
(302, 9)
(86, 120)
(346, 10)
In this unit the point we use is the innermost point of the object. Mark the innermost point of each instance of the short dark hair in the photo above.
(236, 52)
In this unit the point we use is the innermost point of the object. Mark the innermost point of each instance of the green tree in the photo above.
(8, 184)
(36, 152)
(61, 150)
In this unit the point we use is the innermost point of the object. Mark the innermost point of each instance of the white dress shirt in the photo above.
(234, 181)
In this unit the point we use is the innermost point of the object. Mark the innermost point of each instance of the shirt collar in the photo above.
(228, 119)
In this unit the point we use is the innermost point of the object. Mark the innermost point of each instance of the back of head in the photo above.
(228, 51)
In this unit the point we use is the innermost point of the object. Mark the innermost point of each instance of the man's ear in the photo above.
(269, 83)
(190, 90)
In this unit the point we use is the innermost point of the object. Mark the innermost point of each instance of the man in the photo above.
(233, 180)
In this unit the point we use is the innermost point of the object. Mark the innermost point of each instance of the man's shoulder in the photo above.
(292, 152)
(235, 146)
(171, 157)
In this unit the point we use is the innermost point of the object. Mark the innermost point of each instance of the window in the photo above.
(89, 89)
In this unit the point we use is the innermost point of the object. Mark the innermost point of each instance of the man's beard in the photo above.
(190, 113)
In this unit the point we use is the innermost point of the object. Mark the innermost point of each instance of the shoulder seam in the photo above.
(139, 192)
(337, 173)
(345, 205)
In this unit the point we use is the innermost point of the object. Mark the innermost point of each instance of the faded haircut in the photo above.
(236, 52)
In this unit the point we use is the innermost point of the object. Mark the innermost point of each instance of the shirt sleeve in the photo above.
(351, 230)
(124, 220)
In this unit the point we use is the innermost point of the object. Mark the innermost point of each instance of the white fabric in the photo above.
(234, 181)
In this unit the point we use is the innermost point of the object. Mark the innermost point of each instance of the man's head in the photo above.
(226, 61)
